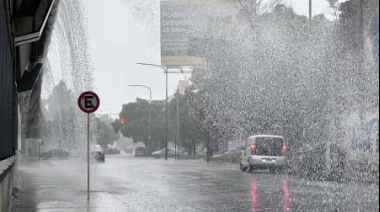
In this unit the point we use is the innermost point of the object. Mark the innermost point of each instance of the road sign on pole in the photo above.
(88, 102)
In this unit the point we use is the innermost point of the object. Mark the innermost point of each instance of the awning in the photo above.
(31, 20)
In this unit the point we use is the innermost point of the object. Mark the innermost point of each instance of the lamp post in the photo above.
(166, 105)
(310, 11)
(166, 72)
(150, 102)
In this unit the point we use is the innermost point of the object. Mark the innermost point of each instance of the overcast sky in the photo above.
(125, 32)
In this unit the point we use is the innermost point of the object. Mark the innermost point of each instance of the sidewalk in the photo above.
(100, 201)
(362, 172)
(41, 188)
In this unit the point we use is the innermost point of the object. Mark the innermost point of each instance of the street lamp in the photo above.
(310, 11)
(150, 102)
(166, 105)
(166, 72)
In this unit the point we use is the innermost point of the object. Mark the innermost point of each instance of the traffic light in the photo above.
(122, 120)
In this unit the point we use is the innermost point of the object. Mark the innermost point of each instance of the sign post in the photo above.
(88, 102)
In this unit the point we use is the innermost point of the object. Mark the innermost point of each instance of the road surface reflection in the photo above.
(259, 201)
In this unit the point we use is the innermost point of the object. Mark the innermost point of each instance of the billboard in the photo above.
(185, 20)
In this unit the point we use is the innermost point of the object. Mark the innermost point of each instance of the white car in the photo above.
(264, 152)
(161, 153)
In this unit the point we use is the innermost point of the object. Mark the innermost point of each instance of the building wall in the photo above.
(7, 92)
(6, 183)
(361, 135)
(8, 114)
(371, 31)
(182, 85)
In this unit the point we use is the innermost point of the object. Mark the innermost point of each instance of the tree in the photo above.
(274, 81)
(136, 122)
(105, 133)
(191, 130)
(334, 5)
(60, 98)
(62, 117)
(253, 8)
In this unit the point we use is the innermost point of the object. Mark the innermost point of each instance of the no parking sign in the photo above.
(88, 102)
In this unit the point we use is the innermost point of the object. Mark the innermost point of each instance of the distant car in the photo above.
(55, 154)
(128, 150)
(75, 153)
(140, 151)
(97, 153)
(264, 152)
(161, 153)
(112, 151)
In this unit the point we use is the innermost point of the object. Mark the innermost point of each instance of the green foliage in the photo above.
(105, 133)
(137, 119)
(136, 115)
(62, 126)
(116, 125)
(191, 131)
(334, 5)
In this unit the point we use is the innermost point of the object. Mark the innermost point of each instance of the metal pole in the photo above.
(166, 71)
(167, 116)
(88, 157)
(39, 150)
(149, 122)
(208, 149)
(175, 148)
(178, 126)
(310, 11)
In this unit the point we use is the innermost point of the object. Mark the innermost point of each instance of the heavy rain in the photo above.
(182, 105)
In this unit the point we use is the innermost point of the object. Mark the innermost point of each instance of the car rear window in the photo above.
(269, 146)
(96, 148)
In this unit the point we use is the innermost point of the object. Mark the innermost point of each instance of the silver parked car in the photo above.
(264, 152)
(161, 153)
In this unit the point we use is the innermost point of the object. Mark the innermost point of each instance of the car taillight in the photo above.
(253, 148)
(285, 148)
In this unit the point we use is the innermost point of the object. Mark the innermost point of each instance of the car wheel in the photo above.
(242, 167)
(251, 169)
(282, 170)
(157, 156)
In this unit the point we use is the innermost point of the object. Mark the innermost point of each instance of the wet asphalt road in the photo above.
(125, 183)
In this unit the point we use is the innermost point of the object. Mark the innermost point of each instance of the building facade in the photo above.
(182, 85)
(359, 124)
(23, 39)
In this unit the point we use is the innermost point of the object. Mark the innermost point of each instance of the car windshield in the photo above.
(189, 105)
(96, 148)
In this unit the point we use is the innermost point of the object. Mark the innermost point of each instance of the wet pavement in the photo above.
(125, 183)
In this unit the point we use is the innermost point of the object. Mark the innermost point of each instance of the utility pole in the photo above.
(165, 69)
(310, 11)
(208, 149)
(175, 148)
(167, 115)
(166, 72)
(178, 126)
